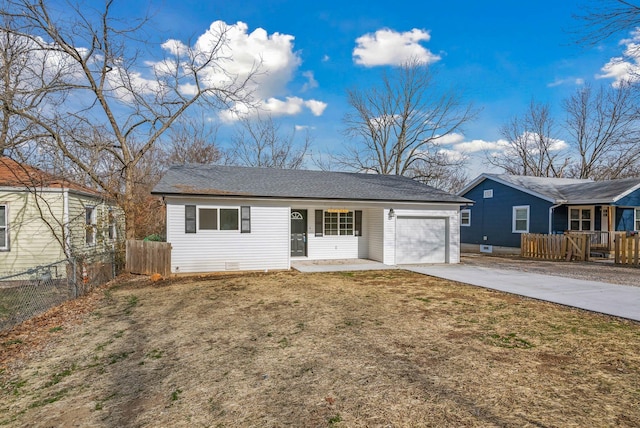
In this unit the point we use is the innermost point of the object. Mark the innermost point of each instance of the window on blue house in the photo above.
(637, 222)
(581, 218)
(465, 217)
(520, 219)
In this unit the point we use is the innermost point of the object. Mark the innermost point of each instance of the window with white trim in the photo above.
(637, 222)
(338, 223)
(465, 217)
(581, 218)
(90, 222)
(209, 219)
(487, 194)
(4, 228)
(520, 222)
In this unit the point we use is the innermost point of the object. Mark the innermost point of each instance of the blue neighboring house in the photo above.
(505, 206)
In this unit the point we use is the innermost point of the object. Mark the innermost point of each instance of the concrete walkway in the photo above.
(618, 300)
(345, 265)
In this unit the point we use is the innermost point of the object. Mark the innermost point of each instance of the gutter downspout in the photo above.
(551, 209)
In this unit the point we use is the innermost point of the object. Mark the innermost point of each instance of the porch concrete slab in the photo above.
(611, 299)
(343, 265)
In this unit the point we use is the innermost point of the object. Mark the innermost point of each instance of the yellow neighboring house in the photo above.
(45, 219)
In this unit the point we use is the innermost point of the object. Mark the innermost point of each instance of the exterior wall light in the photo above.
(392, 214)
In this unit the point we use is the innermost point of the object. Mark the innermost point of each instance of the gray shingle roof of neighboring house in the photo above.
(233, 181)
(565, 190)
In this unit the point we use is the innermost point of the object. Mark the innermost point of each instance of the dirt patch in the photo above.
(386, 348)
(601, 270)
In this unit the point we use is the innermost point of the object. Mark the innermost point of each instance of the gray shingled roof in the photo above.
(233, 181)
(569, 190)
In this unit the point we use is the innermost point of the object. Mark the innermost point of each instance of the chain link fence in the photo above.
(27, 294)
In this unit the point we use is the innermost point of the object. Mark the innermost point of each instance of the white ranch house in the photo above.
(222, 218)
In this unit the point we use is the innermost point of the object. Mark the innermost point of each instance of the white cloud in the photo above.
(316, 107)
(474, 146)
(388, 47)
(449, 139)
(290, 106)
(244, 53)
(452, 155)
(578, 81)
(625, 68)
(311, 81)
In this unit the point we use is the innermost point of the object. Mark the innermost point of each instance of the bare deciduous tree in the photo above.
(397, 126)
(192, 140)
(604, 126)
(91, 80)
(259, 142)
(531, 150)
(603, 19)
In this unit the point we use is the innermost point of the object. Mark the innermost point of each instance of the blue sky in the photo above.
(498, 54)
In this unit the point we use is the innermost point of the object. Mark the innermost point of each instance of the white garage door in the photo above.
(421, 240)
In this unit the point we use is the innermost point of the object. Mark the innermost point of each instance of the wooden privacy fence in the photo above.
(627, 249)
(565, 247)
(148, 257)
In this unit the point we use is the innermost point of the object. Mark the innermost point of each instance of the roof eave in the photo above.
(495, 178)
(458, 201)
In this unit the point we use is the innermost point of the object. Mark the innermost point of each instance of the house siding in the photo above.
(625, 211)
(77, 225)
(330, 247)
(624, 219)
(375, 233)
(37, 228)
(32, 242)
(492, 217)
(267, 246)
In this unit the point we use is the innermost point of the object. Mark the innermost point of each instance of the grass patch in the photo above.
(57, 377)
(510, 340)
(56, 397)
(155, 354)
(175, 395)
(118, 356)
(386, 349)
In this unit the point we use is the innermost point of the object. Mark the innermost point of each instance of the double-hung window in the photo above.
(520, 221)
(4, 228)
(637, 222)
(465, 217)
(90, 222)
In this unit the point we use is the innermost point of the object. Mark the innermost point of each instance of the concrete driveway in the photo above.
(611, 299)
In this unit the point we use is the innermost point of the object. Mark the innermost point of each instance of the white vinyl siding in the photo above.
(375, 234)
(344, 245)
(266, 247)
(520, 220)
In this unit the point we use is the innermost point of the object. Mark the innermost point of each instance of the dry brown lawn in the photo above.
(387, 348)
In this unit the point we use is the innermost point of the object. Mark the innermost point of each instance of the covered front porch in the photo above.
(600, 222)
